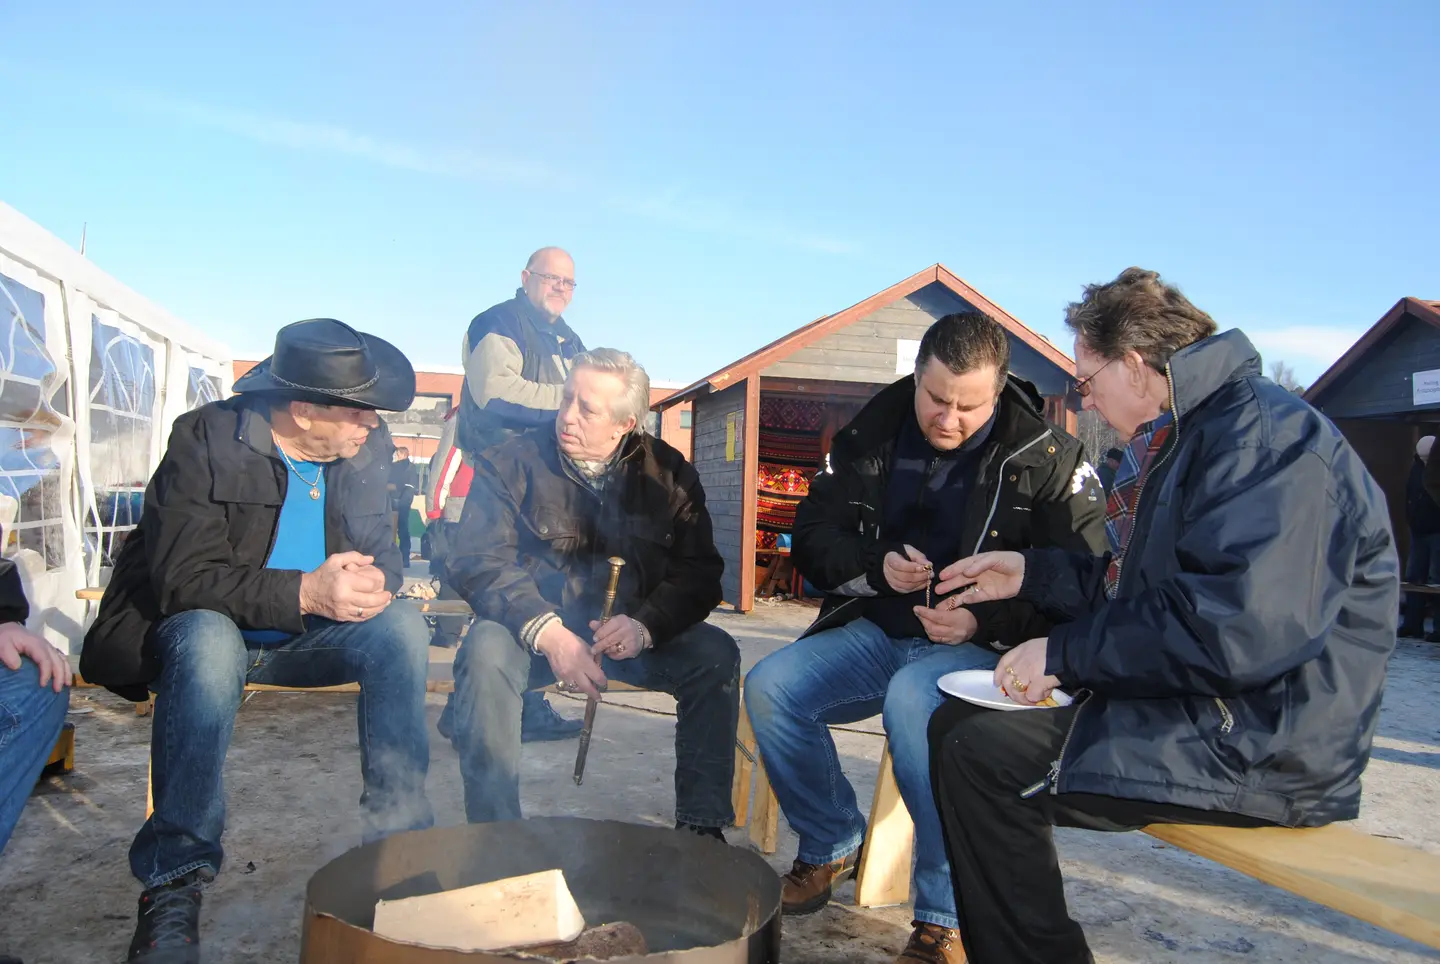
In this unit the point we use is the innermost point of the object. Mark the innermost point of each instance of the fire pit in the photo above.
(696, 900)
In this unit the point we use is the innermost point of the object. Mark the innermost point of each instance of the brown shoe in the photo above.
(807, 887)
(932, 944)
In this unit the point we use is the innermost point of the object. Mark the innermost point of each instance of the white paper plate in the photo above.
(978, 686)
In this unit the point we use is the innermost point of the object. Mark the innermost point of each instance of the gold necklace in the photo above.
(319, 471)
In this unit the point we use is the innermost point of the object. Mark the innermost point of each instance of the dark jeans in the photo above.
(1422, 566)
(402, 533)
(205, 666)
(1008, 886)
(448, 629)
(30, 719)
(700, 668)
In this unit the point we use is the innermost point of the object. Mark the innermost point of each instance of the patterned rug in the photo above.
(781, 447)
(775, 512)
(783, 479)
(790, 413)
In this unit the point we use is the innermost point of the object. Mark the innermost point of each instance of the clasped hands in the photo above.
(998, 575)
(347, 587)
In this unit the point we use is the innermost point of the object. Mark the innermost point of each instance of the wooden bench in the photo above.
(1419, 587)
(1387, 884)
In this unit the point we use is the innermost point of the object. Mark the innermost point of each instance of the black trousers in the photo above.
(1008, 888)
(402, 533)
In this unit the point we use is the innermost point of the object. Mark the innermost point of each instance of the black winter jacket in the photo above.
(533, 539)
(1033, 487)
(209, 522)
(1241, 664)
(14, 607)
(1422, 512)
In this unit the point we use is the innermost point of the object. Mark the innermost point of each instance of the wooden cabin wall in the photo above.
(1381, 385)
(1387, 449)
(724, 481)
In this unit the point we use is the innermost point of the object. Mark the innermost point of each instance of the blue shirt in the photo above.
(299, 537)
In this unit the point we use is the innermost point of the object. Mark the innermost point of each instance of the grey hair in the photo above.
(635, 402)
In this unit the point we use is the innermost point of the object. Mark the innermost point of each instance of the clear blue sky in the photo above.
(725, 176)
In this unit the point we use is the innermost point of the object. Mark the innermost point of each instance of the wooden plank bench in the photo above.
(1387, 884)
(1419, 587)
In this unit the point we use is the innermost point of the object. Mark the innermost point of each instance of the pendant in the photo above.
(314, 492)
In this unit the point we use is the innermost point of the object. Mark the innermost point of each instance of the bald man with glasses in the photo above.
(517, 355)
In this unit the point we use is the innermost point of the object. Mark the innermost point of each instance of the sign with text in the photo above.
(905, 351)
(1425, 387)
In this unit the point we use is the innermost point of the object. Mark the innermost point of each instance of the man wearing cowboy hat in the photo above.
(265, 555)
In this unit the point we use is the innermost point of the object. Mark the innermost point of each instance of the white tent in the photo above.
(92, 375)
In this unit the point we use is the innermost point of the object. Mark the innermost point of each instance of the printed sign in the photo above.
(905, 352)
(1425, 387)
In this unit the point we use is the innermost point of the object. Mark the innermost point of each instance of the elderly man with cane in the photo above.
(546, 512)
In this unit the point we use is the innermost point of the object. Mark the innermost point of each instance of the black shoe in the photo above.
(702, 831)
(1432, 637)
(1410, 632)
(539, 723)
(167, 928)
(7, 959)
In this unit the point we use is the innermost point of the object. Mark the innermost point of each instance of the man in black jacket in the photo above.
(33, 698)
(1422, 513)
(264, 555)
(956, 458)
(545, 511)
(406, 480)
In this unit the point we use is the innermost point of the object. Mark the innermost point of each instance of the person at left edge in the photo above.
(264, 554)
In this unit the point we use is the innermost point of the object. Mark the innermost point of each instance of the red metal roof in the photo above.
(800, 338)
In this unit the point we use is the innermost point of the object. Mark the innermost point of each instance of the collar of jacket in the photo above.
(1019, 419)
(530, 313)
(1200, 370)
(252, 429)
(631, 451)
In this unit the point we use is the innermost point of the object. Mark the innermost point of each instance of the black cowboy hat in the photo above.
(332, 362)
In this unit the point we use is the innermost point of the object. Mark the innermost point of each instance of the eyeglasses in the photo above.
(554, 279)
(1082, 387)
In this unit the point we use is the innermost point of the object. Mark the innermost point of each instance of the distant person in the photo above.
(1422, 515)
(1228, 652)
(446, 486)
(406, 480)
(516, 357)
(956, 457)
(34, 677)
(265, 555)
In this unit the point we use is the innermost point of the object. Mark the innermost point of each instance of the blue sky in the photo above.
(725, 175)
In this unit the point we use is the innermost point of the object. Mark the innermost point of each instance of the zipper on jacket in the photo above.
(999, 475)
(1174, 444)
(1227, 720)
(1051, 779)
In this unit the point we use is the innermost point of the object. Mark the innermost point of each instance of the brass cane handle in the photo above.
(616, 564)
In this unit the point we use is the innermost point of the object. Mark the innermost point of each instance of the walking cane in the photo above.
(591, 703)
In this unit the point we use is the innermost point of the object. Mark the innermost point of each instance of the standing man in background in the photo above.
(516, 356)
(405, 480)
(1422, 567)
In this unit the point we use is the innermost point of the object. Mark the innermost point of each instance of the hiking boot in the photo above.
(807, 887)
(1410, 632)
(932, 944)
(539, 723)
(167, 928)
(1433, 637)
(715, 832)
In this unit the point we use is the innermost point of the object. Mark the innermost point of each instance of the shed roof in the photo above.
(807, 335)
(1427, 311)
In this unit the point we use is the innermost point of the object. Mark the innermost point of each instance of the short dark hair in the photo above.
(964, 342)
(1139, 312)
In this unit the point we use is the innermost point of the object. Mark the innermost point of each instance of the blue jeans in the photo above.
(205, 665)
(845, 675)
(700, 667)
(1422, 566)
(30, 720)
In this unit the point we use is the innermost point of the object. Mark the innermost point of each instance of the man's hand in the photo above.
(346, 588)
(947, 623)
(1021, 673)
(571, 660)
(907, 575)
(620, 638)
(17, 641)
(985, 578)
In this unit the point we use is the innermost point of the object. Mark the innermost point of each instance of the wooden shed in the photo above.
(763, 424)
(1384, 394)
